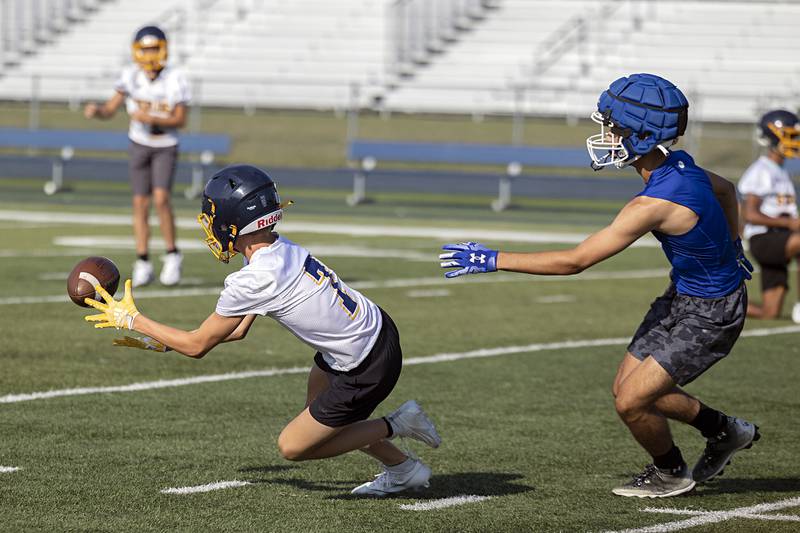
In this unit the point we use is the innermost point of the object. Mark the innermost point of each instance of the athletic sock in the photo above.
(671, 461)
(709, 421)
(144, 257)
(388, 427)
(402, 468)
(172, 250)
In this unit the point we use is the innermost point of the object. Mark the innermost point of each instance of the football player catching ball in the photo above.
(358, 356)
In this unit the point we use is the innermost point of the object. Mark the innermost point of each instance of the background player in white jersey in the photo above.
(770, 211)
(156, 97)
(358, 357)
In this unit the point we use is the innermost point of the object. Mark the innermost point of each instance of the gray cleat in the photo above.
(656, 483)
(737, 435)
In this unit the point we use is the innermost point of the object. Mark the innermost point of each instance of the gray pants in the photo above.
(686, 335)
(150, 168)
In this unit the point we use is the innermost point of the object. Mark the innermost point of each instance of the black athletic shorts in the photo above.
(353, 395)
(769, 249)
(686, 335)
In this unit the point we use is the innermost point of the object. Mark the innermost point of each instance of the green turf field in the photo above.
(530, 425)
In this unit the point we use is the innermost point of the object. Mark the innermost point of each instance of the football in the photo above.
(87, 274)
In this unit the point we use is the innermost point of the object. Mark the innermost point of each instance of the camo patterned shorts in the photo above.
(686, 335)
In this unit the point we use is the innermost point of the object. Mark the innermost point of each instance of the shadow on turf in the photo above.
(741, 485)
(442, 486)
(268, 469)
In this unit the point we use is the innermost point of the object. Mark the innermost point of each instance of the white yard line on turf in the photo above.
(320, 250)
(431, 293)
(219, 485)
(354, 230)
(8, 469)
(702, 518)
(378, 284)
(428, 359)
(444, 502)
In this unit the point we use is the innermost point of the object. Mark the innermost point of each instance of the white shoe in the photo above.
(411, 421)
(142, 273)
(389, 482)
(796, 313)
(171, 271)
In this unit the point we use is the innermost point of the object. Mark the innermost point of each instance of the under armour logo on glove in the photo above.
(473, 258)
(469, 258)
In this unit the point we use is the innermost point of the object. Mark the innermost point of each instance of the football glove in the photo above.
(143, 343)
(114, 314)
(744, 262)
(471, 257)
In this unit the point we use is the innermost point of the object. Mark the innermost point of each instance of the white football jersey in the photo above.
(284, 281)
(158, 97)
(770, 182)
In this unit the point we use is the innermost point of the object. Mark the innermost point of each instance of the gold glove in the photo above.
(115, 314)
(143, 343)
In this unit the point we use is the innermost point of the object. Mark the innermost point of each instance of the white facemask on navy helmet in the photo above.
(636, 114)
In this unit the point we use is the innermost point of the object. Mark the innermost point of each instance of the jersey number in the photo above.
(318, 272)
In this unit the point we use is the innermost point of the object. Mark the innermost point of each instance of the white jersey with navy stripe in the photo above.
(284, 281)
(770, 182)
(157, 97)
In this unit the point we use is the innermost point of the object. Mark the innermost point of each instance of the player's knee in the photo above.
(627, 407)
(289, 450)
(161, 201)
(141, 202)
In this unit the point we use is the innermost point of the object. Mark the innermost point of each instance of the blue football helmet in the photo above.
(237, 200)
(780, 130)
(149, 49)
(636, 114)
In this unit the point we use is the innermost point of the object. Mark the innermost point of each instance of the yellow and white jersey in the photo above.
(284, 281)
(770, 182)
(157, 97)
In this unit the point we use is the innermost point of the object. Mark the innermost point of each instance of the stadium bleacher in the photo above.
(538, 57)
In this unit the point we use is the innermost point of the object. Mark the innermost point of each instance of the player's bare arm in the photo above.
(197, 343)
(751, 212)
(106, 110)
(123, 314)
(639, 216)
(725, 191)
(176, 119)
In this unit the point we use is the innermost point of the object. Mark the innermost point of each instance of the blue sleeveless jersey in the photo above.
(704, 260)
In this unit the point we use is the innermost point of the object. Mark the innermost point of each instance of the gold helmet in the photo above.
(149, 49)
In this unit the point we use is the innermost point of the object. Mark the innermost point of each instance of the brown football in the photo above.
(88, 273)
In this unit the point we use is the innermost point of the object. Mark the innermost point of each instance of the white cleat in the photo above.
(409, 420)
(389, 482)
(171, 271)
(142, 273)
(796, 313)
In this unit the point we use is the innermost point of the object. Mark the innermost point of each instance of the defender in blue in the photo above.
(694, 214)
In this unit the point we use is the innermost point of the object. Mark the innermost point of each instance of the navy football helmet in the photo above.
(780, 130)
(149, 49)
(636, 114)
(237, 200)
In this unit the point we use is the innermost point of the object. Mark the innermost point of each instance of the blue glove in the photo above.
(471, 257)
(744, 262)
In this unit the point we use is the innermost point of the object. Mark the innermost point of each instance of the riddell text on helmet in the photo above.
(270, 219)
